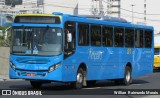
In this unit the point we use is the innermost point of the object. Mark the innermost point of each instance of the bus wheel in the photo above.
(36, 84)
(127, 75)
(79, 79)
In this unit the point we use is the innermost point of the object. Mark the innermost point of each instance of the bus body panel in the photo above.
(143, 59)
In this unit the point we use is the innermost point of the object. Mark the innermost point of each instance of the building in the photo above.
(144, 12)
(41, 6)
(27, 6)
(67, 6)
(2, 3)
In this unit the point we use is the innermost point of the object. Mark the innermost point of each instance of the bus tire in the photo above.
(79, 79)
(127, 76)
(36, 84)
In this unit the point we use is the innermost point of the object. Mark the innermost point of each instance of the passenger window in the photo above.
(95, 35)
(139, 38)
(148, 39)
(108, 36)
(83, 34)
(129, 37)
(119, 37)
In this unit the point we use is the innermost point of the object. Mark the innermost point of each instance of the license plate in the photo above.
(31, 74)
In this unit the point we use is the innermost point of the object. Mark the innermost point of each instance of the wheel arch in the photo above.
(83, 66)
(129, 65)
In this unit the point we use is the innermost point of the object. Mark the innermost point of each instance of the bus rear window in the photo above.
(37, 19)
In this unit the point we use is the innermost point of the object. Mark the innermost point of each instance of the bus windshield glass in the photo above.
(45, 41)
(156, 51)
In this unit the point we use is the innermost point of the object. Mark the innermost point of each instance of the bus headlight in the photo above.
(12, 66)
(54, 67)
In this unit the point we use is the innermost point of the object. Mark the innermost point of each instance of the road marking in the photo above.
(94, 88)
(136, 84)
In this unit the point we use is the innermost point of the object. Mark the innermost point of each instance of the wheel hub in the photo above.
(79, 77)
(128, 76)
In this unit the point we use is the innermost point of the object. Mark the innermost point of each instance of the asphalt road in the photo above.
(60, 90)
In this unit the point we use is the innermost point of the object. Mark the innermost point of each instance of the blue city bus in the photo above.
(78, 50)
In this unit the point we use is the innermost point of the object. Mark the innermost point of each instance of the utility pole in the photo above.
(43, 7)
(113, 8)
(94, 9)
(101, 12)
(118, 6)
(132, 13)
(145, 11)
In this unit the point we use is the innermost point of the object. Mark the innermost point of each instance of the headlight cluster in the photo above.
(12, 66)
(54, 67)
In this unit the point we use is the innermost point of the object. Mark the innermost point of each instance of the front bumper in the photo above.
(156, 65)
(55, 75)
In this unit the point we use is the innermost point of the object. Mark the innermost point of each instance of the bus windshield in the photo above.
(45, 41)
(156, 51)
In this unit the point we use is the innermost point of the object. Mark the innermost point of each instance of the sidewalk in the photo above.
(4, 63)
(4, 77)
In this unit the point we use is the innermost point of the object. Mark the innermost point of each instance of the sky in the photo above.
(85, 8)
(152, 11)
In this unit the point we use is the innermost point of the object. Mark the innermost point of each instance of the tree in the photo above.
(3, 42)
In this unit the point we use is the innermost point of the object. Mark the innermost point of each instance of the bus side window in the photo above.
(107, 36)
(119, 37)
(83, 34)
(95, 35)
(129, 37)
(148, 39)
(139, 38)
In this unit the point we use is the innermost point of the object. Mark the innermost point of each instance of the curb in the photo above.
(3, 80)
(6, 78)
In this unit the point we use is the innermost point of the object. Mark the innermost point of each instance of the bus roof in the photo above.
(91, 20)
(99, 21)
